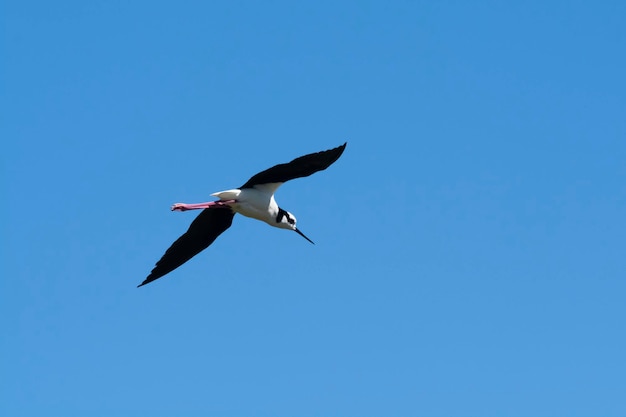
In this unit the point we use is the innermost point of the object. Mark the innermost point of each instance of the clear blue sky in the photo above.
(470, 243)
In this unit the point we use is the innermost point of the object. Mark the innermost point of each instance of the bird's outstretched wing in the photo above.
(298, 168)
(209, 224)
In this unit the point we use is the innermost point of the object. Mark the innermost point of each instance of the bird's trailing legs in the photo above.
(199, 206)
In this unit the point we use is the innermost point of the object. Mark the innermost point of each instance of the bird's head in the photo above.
(286, 220)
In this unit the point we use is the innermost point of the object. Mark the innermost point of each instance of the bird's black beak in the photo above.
(302, 234)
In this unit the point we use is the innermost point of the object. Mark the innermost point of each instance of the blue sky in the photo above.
(469, 255)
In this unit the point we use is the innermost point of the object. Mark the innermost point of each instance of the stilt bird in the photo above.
(253, 199)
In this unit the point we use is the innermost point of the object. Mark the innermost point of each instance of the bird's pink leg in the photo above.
(199, 206)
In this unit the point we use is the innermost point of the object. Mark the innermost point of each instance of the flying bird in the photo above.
(253, 199)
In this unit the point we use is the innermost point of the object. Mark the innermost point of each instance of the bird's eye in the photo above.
(291, 220)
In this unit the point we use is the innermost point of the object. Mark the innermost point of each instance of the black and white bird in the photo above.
(253, 199)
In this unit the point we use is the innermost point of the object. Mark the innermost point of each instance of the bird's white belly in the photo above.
(255, 204)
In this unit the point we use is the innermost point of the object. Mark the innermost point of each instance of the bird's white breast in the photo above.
(252, 202)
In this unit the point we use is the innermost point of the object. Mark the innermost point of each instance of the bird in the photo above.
(253, 199)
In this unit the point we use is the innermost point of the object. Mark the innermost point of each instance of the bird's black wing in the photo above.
(209, 224)
(298, 168)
